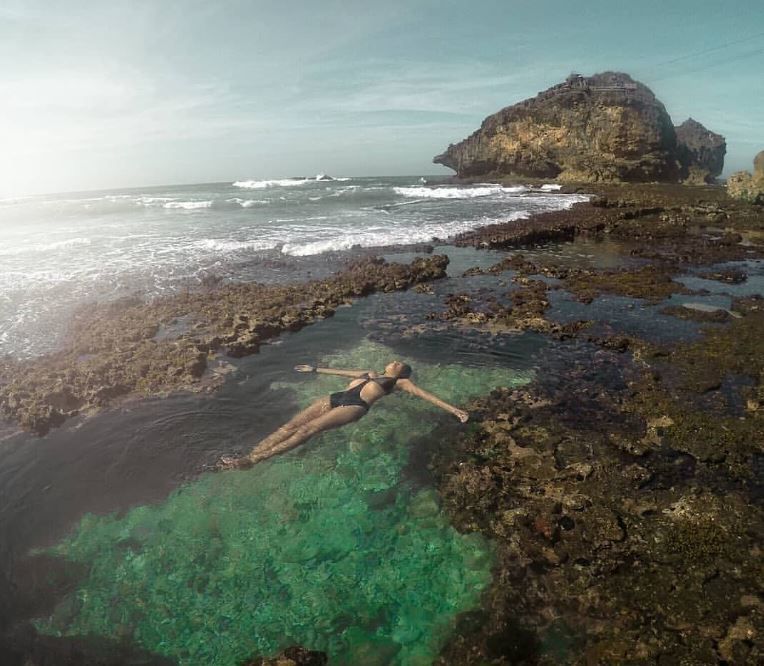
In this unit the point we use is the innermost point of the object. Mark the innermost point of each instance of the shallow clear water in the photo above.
(58, 251)
(754, 284)
(330, 546)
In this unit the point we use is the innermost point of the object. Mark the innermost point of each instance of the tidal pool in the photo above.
(329, 546)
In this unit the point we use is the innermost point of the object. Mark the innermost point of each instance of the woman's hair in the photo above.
(405, 372)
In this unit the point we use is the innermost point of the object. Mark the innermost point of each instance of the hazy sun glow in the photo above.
(120, 93)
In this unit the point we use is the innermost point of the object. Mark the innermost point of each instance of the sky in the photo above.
(147, 92)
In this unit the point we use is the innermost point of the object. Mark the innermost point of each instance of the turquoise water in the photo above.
(327, 547)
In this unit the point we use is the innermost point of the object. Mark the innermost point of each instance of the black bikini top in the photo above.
(387, 384)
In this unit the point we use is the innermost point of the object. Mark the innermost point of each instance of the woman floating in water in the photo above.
(338, 409)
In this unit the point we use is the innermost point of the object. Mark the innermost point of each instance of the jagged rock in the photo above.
(743, 185)
(605, 127)
(740, 185)
(113, 350)
(700, 151)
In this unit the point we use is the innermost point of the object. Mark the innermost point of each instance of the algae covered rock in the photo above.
(743, 185)
(701, 152)
(606, 127)
(123, 347)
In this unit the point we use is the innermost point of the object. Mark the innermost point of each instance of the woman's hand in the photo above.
(462, 415)
(305, 368)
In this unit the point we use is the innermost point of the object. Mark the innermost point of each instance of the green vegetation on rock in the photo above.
(326, 547)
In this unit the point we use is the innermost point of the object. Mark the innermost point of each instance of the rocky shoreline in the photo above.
(624, 500)
(627, 514)
(130, 348)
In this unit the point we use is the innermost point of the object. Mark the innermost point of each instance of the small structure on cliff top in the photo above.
(605, 127)
(575, 80)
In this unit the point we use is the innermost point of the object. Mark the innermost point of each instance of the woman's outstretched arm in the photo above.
(332, 371)
(410, 387)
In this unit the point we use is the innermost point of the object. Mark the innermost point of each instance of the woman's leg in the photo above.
(316, 409)
(334, 418)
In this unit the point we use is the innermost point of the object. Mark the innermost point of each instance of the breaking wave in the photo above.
(188, 205)
(45, 247)
(457, 192)
(264, 184)
(247, 203)
(225, 245)
(381, 236)
(152, 201)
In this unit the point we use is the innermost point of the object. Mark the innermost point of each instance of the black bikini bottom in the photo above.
(349, 398)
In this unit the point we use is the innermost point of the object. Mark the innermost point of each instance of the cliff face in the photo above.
(758, 166)
(700, 152)
(606, 127)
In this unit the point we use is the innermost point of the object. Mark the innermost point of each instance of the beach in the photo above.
(602, 504)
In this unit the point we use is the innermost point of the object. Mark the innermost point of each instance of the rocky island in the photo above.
(602, 128)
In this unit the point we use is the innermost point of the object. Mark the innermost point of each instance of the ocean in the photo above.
(60, 251)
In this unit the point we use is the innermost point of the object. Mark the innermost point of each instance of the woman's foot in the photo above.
(234, 462)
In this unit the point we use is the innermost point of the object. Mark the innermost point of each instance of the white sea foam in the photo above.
(153, 201)
(550, 187)
(225, 245)
(10, 201)
(381, 235)
(457, 192)
(247, 203)
(44, 247)
(264, 184)
(188, 205)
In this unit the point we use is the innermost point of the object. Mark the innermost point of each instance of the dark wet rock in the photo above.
(522, 309)
(614, 342)
(113, 350)
(712, 316)
(519, 264)
(547, 227)
(685, 396)
(629, 553)
(606, 127)
(649, 283)
(700, 152)
(627, 517)
(748, 304)
(25, 647)
(292, 656)
(728, 276)
(732, 350)
(673, 225)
